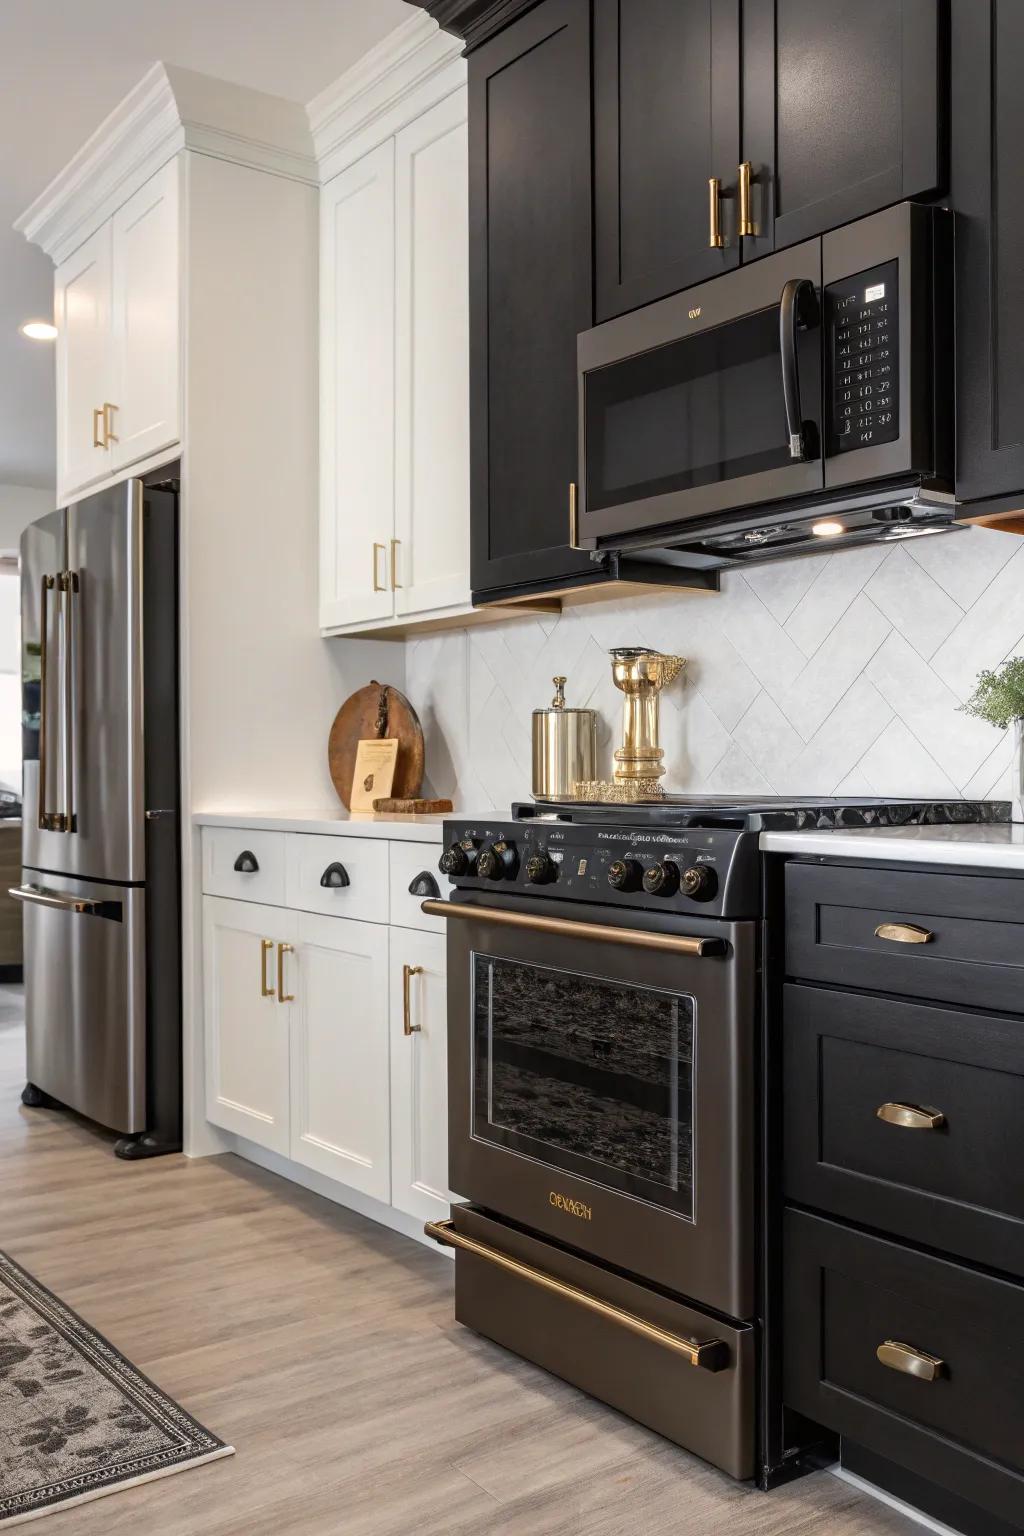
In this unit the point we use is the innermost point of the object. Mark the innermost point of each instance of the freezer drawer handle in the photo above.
(562, 927)
(709, 1354)
(246, 863)
(63, 901)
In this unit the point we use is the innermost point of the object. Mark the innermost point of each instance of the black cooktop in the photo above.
(762, 813)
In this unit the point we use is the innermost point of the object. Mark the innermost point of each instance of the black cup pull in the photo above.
(335, 877)
(246, 863)
(424, 884)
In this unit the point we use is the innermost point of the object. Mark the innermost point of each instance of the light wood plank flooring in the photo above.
(323, 1347)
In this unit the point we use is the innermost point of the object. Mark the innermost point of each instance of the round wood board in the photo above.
(359, 719)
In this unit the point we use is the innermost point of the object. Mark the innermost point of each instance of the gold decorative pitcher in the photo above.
(641, 675)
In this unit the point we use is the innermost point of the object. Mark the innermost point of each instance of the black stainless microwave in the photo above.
(726, 420)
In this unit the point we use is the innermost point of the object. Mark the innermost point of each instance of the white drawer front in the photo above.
(408, 862)
(360, 864)
(227, 854)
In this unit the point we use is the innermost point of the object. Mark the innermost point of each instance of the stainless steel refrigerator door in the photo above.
(85, 996)
(43, 558)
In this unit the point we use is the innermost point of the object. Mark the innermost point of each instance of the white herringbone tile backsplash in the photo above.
(833, 674)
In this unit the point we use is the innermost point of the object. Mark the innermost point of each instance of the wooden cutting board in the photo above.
(378, 710)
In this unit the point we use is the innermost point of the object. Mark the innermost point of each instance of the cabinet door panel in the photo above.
(246, 1033)
(666, 119)
(431, 568)
(357, 417)
(82, 308)
(530, 289)
(339, 1052)
(854, 121)
(419, 1076)
(147, 342)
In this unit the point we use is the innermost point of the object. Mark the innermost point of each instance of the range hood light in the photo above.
(828, 529)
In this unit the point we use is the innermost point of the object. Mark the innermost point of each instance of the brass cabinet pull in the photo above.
(746, 223)
(266, 945)
(715, 240)
(563, 927)
(910, 1361)
(574, 517)
(395, 583)
(913, 1117)
(903, 933)
(97, 440)
(109, 435)
(408, 972)
(378, 550)
(282, 995)
(710, 1354)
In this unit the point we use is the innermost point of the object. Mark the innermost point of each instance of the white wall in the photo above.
(19, 506)
(834, 674)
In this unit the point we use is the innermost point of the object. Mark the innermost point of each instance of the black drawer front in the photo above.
(847, 1294)
(958, 1186)
(973, 955)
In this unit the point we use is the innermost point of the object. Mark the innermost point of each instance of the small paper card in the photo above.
(374, 773)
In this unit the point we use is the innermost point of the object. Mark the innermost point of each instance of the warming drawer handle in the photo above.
(904, 933)
(563, 927)
(709, 1354)
(61, 901)
(798, 311)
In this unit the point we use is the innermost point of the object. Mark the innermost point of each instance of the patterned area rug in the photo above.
(77, 1420)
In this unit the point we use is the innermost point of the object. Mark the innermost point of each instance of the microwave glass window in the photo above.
(706, 408)
(587, 1075)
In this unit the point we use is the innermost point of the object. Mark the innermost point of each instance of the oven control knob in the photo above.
(498, 862)
(662, 879)
(625, 875)
(456, 860)
(699, 882)
(541, 869)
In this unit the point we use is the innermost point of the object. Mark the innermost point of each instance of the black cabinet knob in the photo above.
(335, 877)
(424, 884)
(246, 863)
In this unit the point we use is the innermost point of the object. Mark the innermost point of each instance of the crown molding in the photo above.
(474, 20)
(170, 109)
(401, 76)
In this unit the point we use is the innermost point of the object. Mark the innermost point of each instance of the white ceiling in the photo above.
(64, 64)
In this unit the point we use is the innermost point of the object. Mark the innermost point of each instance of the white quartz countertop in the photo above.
(974, 845)
(340, 823)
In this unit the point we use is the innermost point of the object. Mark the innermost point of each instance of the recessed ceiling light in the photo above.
(39, 330)
(827, 529)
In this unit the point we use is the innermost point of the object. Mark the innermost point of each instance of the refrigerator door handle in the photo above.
(63, 901)
(49, 821)
(69, 593)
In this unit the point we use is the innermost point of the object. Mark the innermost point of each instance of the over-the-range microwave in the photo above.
(807, 396)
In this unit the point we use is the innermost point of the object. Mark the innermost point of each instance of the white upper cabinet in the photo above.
(82, 313)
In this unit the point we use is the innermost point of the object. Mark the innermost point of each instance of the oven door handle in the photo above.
(798, 311)
(709, 1354)
(565, 928)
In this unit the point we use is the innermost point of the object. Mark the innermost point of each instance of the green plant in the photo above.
(998, 697)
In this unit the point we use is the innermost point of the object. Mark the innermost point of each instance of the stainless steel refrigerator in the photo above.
(100, 850)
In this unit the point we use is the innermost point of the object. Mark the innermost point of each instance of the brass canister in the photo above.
(564, 747)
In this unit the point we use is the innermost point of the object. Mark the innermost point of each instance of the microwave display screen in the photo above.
(863, 328)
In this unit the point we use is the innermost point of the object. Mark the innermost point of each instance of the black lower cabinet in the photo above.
(947, 1407)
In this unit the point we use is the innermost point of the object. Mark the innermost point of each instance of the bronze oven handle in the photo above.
(565, 928)
(710, 1354)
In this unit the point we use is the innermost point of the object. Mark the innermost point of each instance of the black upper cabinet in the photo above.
(530, 290)
(842, 111)
(666, 120)
(987, 130)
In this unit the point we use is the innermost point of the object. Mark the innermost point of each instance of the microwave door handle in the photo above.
(798, 311)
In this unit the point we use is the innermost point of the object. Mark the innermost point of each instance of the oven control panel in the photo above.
(863, 321)
(713, 871)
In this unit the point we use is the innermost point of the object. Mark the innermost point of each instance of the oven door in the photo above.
(601, 1092)
(704, 403)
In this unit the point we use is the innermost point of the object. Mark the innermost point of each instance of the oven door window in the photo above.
(697, 411)
(587, 1075)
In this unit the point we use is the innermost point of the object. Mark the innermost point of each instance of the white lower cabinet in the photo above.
(339, 1052)
(419, 1074)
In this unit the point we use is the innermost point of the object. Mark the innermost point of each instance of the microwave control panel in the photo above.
(863, 320)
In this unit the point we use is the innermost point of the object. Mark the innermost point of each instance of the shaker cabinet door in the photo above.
(419, 1074)
(82, 308)
(666, 121)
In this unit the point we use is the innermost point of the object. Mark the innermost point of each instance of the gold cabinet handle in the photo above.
(710, 1354)
(574, 517)
(715, 240)
(98, 413)
(910, 1361)
(266, 945)
(395, 583)
(282, 995)
(378, 550)
(912, 1117)
(746, 223)
(408, 972)
(903, 933)
(109, 435)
